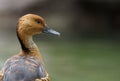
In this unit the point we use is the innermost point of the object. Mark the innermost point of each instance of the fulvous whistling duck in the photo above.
(27, 65)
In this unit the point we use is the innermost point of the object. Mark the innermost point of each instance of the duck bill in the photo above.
(50, 31)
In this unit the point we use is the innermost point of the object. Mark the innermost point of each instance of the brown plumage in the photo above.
(27, 65)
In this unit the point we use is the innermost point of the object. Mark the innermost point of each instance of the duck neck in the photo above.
(27, 44)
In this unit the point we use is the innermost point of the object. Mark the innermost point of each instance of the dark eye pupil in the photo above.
(38, 22)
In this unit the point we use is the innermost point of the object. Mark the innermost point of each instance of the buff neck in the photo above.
(28, 47)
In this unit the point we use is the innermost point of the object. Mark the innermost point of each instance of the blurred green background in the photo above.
(88, 48)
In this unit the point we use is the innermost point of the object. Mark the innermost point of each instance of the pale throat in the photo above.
(29, 43)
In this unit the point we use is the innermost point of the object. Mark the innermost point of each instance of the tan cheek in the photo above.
(41, 28)
(32, 31)
(38, 27)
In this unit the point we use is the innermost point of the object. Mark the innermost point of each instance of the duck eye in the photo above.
(38, 21)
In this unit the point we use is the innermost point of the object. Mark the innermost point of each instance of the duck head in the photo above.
(32, 24)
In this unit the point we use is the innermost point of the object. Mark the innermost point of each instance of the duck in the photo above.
(27, 65)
